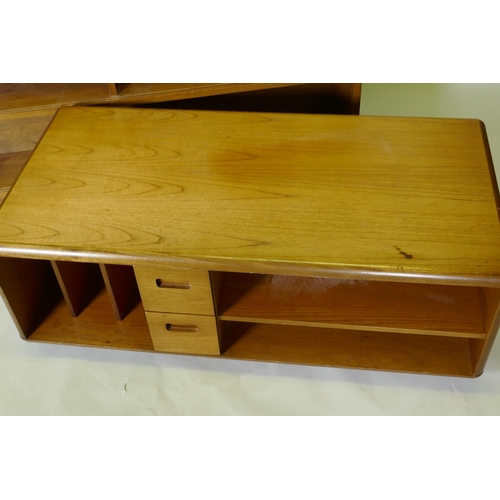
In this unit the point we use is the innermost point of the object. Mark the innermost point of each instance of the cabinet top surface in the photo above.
(402, 198)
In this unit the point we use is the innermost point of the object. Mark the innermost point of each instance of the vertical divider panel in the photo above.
(30, 291)
(490, 306)
(112, 89)
(216, 284)
(122, 288)
(79, 283)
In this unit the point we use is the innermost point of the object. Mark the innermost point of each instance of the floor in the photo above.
(37, 379)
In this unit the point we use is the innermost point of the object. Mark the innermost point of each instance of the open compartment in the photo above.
(68, 303)
(347, 349)
(414, 308)
(409, 327)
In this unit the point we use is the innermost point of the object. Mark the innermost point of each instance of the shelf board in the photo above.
(35, 96)
(412, 308)
(14, 96)
(96, 326)
(355, 349)
(158, 92)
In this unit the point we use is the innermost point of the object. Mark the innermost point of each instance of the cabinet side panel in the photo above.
(30, 291)
(490, 306)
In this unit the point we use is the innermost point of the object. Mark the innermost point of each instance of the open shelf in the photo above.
(67, 303)
(96, 326)
(410, 308)
(353, 349)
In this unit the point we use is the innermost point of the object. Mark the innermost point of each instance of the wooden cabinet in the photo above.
(348, 241)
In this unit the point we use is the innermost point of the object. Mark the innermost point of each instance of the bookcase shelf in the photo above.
(348, 349)
(72, 308)
(352, 304)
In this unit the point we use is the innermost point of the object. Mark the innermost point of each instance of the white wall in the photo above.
(447, 100)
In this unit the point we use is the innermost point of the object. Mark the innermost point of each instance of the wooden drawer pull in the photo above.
(169, 284)
(181, 328)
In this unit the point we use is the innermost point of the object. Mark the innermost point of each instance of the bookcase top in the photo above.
(360, 197)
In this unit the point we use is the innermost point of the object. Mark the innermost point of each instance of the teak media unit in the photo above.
(360, 242)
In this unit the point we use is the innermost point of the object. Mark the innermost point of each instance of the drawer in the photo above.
(183, 333)
(165, 289)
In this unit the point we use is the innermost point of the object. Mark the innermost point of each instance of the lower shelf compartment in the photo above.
(69, 303)
(348, 349)
(95, 326)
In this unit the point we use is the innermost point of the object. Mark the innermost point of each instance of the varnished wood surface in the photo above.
(186, 333)
(11, 165)
(392, 198)
(194, 298)
(348, 349)
(96, 326)
(15, 96)
(21, 130)
(352, 304)
(19, 134)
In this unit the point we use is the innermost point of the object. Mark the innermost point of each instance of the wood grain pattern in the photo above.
(354, 304)
(391, 198)
(21, 130)
(186, 333)
(33, 96)
(96, 326)
(197, 299)
(329, 347)
(11, 165)
(122, 288)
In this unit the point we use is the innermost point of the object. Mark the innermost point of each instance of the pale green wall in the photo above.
(447, 100)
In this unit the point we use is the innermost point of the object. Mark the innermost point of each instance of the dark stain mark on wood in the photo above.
(404, 254)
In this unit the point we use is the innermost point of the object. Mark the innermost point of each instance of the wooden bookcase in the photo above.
(346, 241)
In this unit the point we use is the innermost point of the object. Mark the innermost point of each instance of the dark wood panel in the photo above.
(30, 290)
(122, 288)
(33, 96)
(79, 283)
(324, 98)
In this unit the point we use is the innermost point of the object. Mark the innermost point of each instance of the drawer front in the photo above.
(165, 289)
(183, 333)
